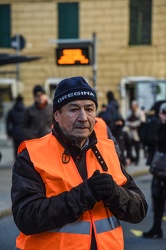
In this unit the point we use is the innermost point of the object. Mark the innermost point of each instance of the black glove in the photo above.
(101, 185)
(79, 199)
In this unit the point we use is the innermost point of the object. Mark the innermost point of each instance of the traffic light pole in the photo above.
(94, 54)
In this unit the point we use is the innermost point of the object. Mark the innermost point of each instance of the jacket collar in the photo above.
(70, 149)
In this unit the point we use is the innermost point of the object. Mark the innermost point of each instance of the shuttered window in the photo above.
(140, 22)
(68, 20)
(5, 26)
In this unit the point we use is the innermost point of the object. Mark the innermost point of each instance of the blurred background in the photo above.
(117, 45)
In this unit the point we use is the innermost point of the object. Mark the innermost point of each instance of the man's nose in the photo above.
(82, 115)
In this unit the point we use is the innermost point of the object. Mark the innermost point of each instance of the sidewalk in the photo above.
(6, 173)
(5, 177)
(140, 169)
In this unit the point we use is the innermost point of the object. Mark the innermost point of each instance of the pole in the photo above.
(18, 65)
(94, 69)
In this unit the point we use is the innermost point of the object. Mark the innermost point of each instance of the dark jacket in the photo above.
(14, 121)
(28, 194)
(37, 121)
(161, 138)
(158, 185)
(123, 141)
(111, 113)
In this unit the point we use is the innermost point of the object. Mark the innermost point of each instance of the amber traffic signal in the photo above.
(72, 56)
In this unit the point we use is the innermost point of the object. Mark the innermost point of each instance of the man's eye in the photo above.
(73, 110)
(89, 110)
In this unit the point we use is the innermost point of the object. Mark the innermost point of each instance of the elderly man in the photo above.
(69, 190)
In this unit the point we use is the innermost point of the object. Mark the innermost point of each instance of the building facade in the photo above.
(129, 57)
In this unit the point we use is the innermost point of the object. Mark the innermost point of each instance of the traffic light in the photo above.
(73, 56)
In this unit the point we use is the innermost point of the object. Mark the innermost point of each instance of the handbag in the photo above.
(158, 165)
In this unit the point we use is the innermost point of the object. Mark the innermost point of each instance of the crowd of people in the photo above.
(69, 180)
(126, 131)
(22, 123)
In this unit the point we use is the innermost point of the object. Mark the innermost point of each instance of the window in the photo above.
(4, 26)
(68, 23)
(140, 22)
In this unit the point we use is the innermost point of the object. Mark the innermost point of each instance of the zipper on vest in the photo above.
(93, 245)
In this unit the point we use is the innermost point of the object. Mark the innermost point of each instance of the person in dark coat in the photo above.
(38, 118)
(112, 110)
(102, 111)
(123, 141)
(14, 121)
(159, 184)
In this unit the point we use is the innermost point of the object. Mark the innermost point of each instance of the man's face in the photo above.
(40, 97)
(77, 119)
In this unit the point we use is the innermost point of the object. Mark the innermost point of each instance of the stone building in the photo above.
(130, 47)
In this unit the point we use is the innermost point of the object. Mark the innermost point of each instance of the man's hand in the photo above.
(101, 185)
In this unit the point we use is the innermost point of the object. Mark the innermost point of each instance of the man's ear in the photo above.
(56, 116)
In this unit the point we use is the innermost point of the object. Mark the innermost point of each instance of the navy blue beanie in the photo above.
(70, 89)
(38, 88)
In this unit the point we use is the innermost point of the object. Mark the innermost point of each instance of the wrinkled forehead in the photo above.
(81, 103)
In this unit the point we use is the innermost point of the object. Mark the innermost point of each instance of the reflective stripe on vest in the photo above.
(78, 227)
(83, 227)
(106, 224)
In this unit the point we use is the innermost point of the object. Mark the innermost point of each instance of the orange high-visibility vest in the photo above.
(100, 128)
(46, 155)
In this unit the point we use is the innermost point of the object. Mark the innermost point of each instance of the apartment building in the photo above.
(125, 41)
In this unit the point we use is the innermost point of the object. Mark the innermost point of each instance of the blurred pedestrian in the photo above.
(112, 109)
(149, 134)
(38, 118)
(123, 141)
(159, 183)
(133, 122)
(68, 188)
(102, 111)
(14, 123)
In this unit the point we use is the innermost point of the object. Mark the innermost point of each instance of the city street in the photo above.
(132, 232)
(8, 233)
